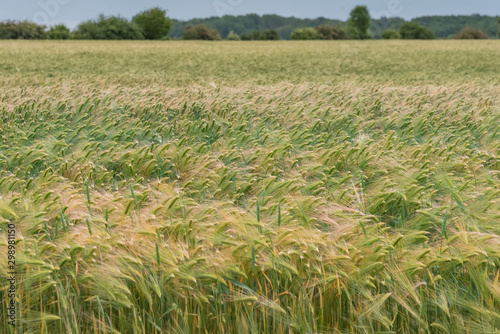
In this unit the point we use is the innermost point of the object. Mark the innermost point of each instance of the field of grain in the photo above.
(258, 187)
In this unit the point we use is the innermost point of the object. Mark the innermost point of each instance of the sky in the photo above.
(72, 12)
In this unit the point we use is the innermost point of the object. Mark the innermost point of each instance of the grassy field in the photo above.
(251, 187)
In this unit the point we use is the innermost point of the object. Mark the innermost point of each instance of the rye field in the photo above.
(251, 187)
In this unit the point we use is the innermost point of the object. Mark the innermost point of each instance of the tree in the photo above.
(499, 27)
(112, 27)
(378, 26)
(201, 32)
(331, 32)
(305, 34)
(413, 30)
(251, 36)
(21, 30)
(270, 35)
(391, 34)
(471, 33)
(442, 26)
(233, 36)
(154, 23)
(448, 26)
(359, 23)
(59, 31)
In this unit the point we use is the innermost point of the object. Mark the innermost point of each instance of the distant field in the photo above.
(184, 63)
(251, 187)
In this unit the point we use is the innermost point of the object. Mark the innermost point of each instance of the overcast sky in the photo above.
(72, 12)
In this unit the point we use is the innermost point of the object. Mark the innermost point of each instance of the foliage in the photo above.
(201, 32)
(59, 31)
(21, 30)
(154, 23)
(471, 33)
(112, 27)
(391, 34)
(324, 32)
(305, 34)
(443, 26)
(270, 35)
(413, 30)
(251, 36)
(232, 36)
(359, 23)
(448, 26)
(247, 24)
(328, 32)
(378, 26)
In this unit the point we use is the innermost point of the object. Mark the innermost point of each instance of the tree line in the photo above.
(442, 26)
(153, 24)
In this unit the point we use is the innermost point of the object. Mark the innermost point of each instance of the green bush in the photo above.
(154, 23)
(270, 35)
(391, 34)
(305, 34)
(59, 31)
(331, 32)
(413, 30)
(471, 33)
(232, 36)
(21, 30)
(201, 32)
(113, 28)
